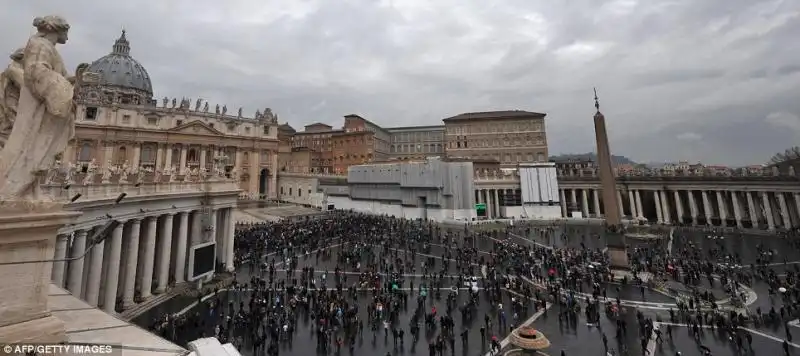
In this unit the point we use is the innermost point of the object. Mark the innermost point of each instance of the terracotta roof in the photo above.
(494, 115)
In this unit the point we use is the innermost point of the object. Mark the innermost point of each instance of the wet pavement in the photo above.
(574, 339)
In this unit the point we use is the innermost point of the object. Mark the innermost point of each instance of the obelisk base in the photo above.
(28, 233)
(617, 250)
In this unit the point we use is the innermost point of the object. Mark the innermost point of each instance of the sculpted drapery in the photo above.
(45, 113)
(11, 80)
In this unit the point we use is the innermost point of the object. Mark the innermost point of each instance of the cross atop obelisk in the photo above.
(614, 237)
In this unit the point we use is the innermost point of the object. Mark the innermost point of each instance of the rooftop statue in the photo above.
(197, 104)
(224, 109)
(240, 113)
(45, 118)
(165, 101)
(11, 81)
(174, 102)
(217, 109)
(205, 107)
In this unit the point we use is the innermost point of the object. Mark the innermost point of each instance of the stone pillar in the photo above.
(137, 153)
(665, 207)
(584, 203)
(564, 203)
(159, 157)
(707, 208)
(61, 254)
(95, 271)
(182, 168)
(237, 160)
(202, 158)
(255, 171)
(723, 213)
(596, 203)
(112, 276)
(146, 283)
(273, 179)
(797, 203)
(659, 212)
(497, 211)
(131, 264)
(180, 254)
(164, 249)
(751, 207)
(109, 155)
(787, 223)
(75, 280)
(632, 203)
(231, 236)
(768, 211)
(167, 157)
(216, 235)
(573, 198)
(678, 206)
(639, 209)
(619, 204)
(693, 207)
(737, 209)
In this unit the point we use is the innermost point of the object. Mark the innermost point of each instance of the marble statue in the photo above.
(269, 116)
(240, 112)
(217, 110)
(70, 173)
(205, 107)
(140, 173)
(258, 114)
(224, 109)
(11, 81)
(123, 172)
(91, 170)
(106, 178)
(174, 102)
(165, 101)
(45, 119)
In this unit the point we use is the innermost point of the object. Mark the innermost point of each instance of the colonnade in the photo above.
(720, 207)
(141, 257)
(495, 198)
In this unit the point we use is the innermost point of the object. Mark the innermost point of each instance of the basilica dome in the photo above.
(122, 78)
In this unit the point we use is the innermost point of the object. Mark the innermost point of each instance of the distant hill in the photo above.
(591, 156)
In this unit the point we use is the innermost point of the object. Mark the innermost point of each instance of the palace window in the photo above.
(122, 154)
(266, 129)
(152, 121)
(91, 113)
(178, 122)
(86, 153)
(126, 119)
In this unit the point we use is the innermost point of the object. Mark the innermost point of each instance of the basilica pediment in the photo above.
(196, 128)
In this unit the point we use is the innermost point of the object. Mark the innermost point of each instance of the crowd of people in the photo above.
(344, 272)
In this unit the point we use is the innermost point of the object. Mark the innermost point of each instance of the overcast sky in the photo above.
(702, 80)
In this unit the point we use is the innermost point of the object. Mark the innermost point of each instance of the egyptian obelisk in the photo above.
(615, 238)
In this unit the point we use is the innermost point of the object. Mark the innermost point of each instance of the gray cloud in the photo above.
(663, 68)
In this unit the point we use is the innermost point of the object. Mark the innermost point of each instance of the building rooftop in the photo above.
(89, 325)
(505, 114)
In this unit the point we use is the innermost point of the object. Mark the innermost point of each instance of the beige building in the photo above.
(119, 123)
(509, 137)
(416, 142)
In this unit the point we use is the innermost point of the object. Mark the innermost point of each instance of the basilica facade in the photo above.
(120, 124)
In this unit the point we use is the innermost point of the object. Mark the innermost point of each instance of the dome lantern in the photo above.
(122, 46)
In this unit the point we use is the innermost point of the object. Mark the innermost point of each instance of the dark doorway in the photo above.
(263, 181)
(423, 205)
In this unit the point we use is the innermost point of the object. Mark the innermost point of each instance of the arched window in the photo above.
(192, 155)
(85, 153)
(147, 155)
(122, 154)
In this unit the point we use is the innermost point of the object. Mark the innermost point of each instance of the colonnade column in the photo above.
(723, 214)
(164, 248)
(564, 203)
(573, 198)
(231, 236)
(146, 283)
(75, 280)
(131, 263)
(202, 158)
(584, 203)
(639, 210)
(58, 266)
(496, 203)
(619, 204)
(737, 209)
(707, 208)
(797, 202)
(678, 206)
(137, 153)
(751, 208)
(659, 213)
(96, 271)
(693, 207)
(112, 275)
(596, 202)
(665, 207)
(768, 211)
(632, 203)
(180, 254)
(784, 210)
